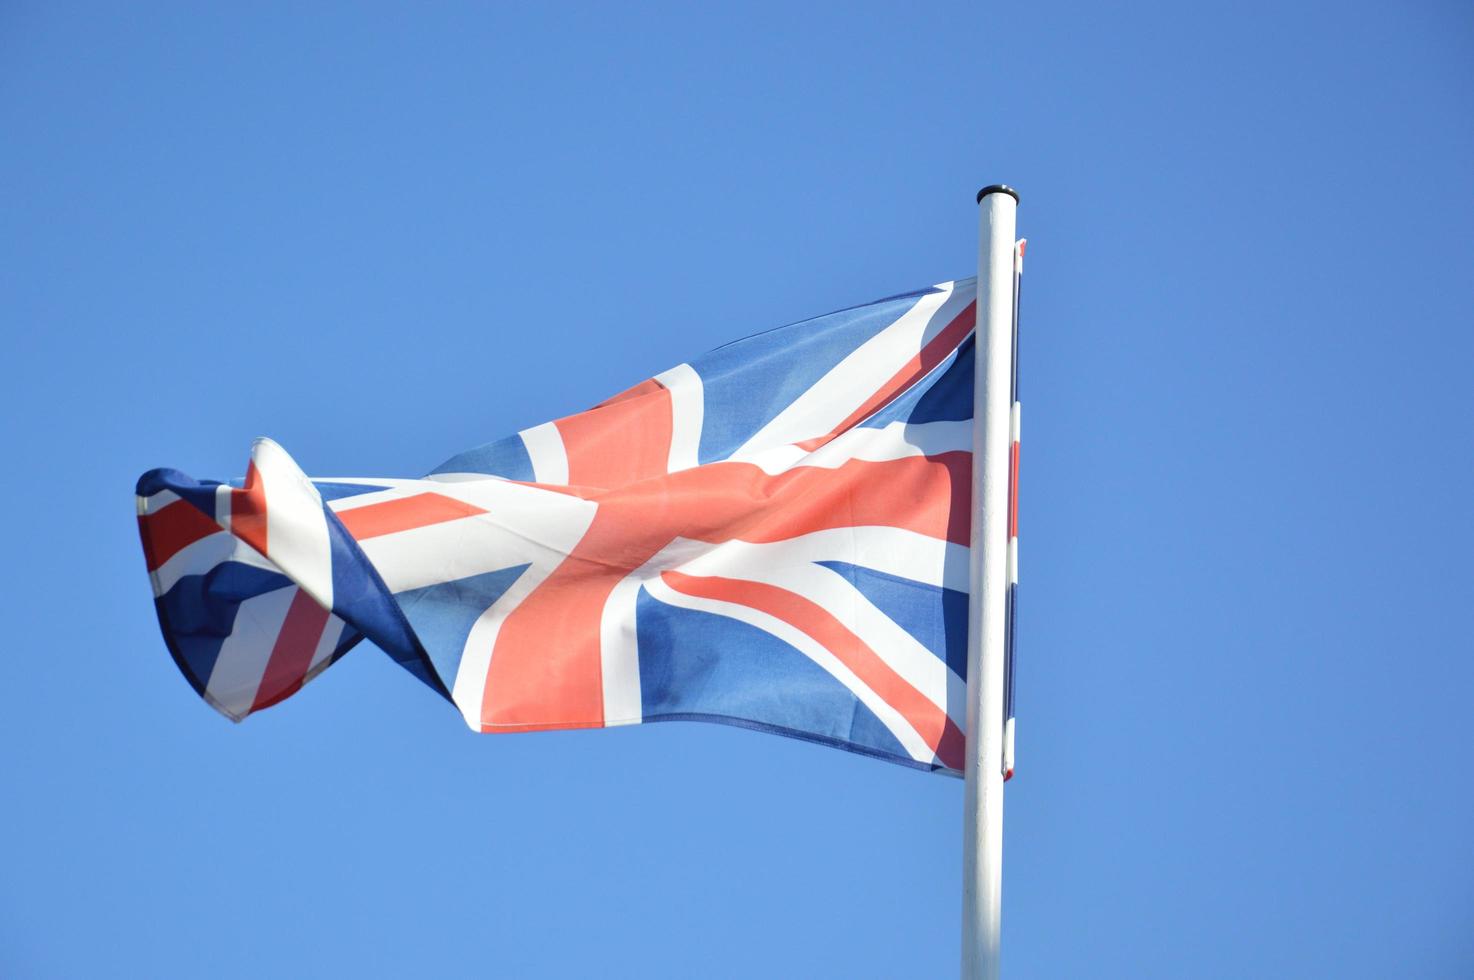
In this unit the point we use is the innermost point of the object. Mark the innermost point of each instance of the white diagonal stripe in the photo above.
(831, 399)
(902, 652)
(156, 501)
(831, 591)
(245, 653)
(893, 720)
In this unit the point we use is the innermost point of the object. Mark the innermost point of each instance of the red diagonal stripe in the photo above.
(930, 721)
(171, 529)
(404, 514)
(292, 653)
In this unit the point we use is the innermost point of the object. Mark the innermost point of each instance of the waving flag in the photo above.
(774, 536)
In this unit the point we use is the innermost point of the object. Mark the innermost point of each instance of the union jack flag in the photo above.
(774, 535)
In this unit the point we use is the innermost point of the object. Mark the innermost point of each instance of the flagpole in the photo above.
(982, 831)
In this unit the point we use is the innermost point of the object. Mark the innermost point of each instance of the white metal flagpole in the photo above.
(982, 830)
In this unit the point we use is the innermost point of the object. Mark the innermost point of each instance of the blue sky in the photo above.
(382, 234)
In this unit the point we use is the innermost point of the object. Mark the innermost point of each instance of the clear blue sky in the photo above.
(382, 234)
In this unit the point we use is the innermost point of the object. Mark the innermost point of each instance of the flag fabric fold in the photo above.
(774, 536)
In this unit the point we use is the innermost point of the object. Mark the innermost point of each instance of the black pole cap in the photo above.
(997, 189)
